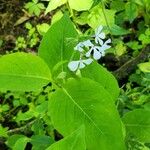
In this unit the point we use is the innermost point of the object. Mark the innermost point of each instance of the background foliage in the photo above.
(32, 117)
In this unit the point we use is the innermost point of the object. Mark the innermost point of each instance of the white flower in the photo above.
(105, 47)
(79, 64)
(99, 35)
(87, 43)
(79, 46)
(98, 51)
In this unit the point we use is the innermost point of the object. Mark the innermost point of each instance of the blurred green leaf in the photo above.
(41, 142)
(131, 10)
(3, 131)
(137, 123)
(144, 67)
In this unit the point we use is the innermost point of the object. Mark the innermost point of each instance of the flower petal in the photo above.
(108, 41)
(79, 47)
(96, 54)
(81, 65)
(98, 30)
(87, 43)
(73, 65)
(88, 61)
(98, 41)
(102, 35)
(89, 53)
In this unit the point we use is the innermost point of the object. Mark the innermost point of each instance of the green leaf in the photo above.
(137, 124)
(41, 142)
(37, 10)
(80, 5)
(53, 4)
(57, 16)
(21, 143)
(75, 141)
(117, 5)
(40, 6)
(82, 19)
(35, 1)
(99, 74)
(23, 72)
(120, 48)
(96, 2)
(17, 142)
(24, 116)
(43, 28)
(134, 45)
(116, 30)
(57, 44)
(131, 11)
(29, 4)
(13, 139)
(85, 102)
(144, 67)
(38, 127)
(97, 17)
(3, 131)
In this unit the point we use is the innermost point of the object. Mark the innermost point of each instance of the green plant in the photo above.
(95, 97)
(34, 7)
(20, 43)
(31, 40)
(82, 105)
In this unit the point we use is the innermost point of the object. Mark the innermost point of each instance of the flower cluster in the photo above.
(90, 50)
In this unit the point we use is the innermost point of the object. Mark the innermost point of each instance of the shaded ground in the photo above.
(10, 12)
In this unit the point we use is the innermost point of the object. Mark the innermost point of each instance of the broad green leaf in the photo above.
(99, 74)
(53, 4)
(137, 124)
(85, 102)
(131, 11)
(97, 17)
(75, 141)
(57, 44)
(80, 5)
(145, 67)
(23, 72)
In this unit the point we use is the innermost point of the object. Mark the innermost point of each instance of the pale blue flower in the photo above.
(79, 64)
(80, 46)
(105, 46)
(87, 48)
(98, 51)
(99, 35)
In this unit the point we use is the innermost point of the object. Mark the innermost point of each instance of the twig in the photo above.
(21, 129)
(131, 65)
